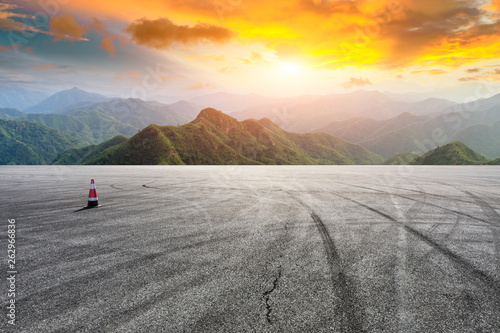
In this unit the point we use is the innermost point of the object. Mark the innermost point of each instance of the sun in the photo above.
(290, 68)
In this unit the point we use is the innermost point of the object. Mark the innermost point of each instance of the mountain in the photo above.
(138, 113)
(402, 159)
(102, 121)
(455, 153)
(481, 138)
(66, 100)
(408, 132)
(19, 98)
(76, 156)
(478, 105)
(431, 106)
(10, 113)
(495, 162)
(362, 129)
(216, 138)
(24, 142)
(314, 112)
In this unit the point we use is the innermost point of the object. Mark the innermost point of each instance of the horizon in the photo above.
(167, 52)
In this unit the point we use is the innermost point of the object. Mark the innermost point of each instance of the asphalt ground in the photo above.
(252, 249)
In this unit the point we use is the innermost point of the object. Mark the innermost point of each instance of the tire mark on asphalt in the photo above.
(421, 191)
(428, 203)
(492, 214)
(116, 187)
(159, 187)
(351, 319)
(470, 268)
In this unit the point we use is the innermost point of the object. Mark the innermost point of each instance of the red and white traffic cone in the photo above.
(92, 195)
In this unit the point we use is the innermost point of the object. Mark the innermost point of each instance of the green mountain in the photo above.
(216, 138)
(10, 113)
(402, 159)
(495, 162)
(455, 153)
(102, 121)
(90, 128)
(24, 142)
(481, 138)
(76, 156)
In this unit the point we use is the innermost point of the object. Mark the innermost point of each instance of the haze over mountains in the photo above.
(385, 125)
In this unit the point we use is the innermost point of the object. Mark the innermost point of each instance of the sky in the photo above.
(172, 50)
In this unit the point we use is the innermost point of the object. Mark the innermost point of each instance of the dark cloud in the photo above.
(354, 82)
(472, 70)
(163, 33)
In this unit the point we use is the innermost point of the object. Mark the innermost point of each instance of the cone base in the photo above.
(92, 204)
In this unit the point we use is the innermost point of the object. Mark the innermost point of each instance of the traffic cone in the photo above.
(92, 195)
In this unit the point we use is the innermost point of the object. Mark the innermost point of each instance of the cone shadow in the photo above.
(85, 208)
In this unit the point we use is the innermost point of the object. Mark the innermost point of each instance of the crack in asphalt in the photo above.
(267, 295)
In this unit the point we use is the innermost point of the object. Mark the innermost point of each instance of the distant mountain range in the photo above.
(391, 129)
(15, 97)
(309, 113)
(216, 138)
(101, 121)
(66, 100)
(406, 132)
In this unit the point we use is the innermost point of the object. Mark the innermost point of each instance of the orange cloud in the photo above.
(14, 47)
(109, 38)
(107, 44)
(472, 70)
(162, 33)
(432, 72)
(65, 27)
(353, 82)
(7, 22)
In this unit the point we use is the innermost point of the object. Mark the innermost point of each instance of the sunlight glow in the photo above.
(290, 68)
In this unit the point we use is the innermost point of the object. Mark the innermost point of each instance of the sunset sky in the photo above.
(176, 49)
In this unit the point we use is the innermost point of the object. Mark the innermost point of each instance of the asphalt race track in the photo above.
(253, 249)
